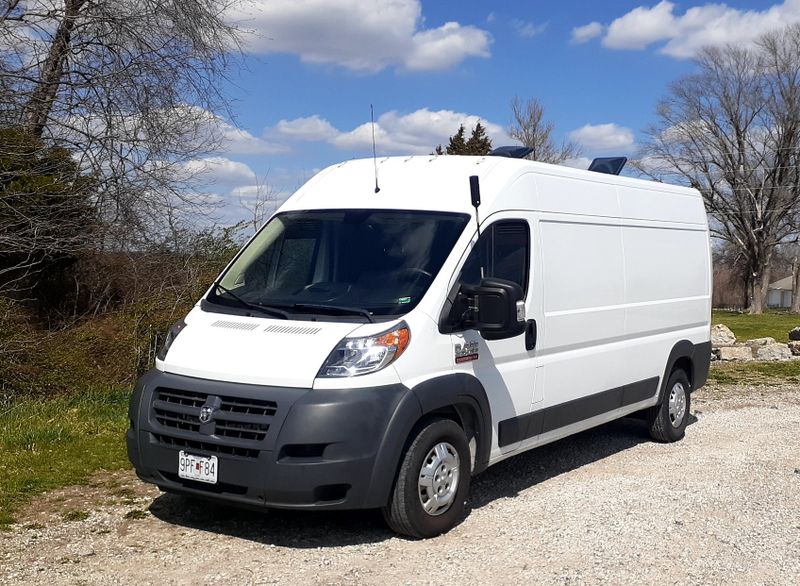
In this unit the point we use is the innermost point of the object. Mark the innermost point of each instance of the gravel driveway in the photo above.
(606, 506)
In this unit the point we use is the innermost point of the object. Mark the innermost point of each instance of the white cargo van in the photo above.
(374, 349)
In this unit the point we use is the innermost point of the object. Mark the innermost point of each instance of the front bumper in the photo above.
(277, 447)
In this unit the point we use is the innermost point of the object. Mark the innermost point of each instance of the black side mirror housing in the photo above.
(495, 308)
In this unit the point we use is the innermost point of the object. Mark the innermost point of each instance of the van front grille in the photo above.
(240, 420)
(182, 443)
(241, 430)
(182, 398)
(257, 407)
(177, 420)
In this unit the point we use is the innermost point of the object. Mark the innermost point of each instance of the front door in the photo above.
(506, 368)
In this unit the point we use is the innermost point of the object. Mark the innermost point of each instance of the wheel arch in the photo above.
(461, 397)
(457, 396)
(694, 359)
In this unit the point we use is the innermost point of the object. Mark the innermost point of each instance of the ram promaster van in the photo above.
(400, 325)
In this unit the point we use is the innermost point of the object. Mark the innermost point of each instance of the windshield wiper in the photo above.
(331, 308)
(256, 306)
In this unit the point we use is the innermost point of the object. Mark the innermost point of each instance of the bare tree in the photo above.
(261, 204)
(130, 87)
(533, 131)
(787, 261)
(732, 130)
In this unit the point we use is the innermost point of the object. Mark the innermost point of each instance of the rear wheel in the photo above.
(432, 483)
(667, 421)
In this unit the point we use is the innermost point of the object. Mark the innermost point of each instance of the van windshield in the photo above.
(357, 263)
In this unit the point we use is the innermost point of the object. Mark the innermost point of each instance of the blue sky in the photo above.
(313, 67)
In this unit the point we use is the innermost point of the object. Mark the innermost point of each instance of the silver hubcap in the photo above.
(677, 404)
(438, 479)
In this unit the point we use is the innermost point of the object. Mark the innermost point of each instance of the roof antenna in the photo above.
(374, 155)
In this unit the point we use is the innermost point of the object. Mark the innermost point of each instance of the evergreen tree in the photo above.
(46, 209)
(478, 143)
(457, 146)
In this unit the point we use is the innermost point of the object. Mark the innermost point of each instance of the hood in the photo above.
(253, 350)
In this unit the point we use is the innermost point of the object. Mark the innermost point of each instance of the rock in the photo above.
(736, 353)
(794, 334)
(794, 347)
(721, 335)
(760, 342)
(774, 352)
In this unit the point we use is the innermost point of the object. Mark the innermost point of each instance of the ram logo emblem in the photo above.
(206, 413)
(466, 352)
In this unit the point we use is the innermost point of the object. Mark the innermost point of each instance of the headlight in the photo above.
(172, 333)
(357, 356)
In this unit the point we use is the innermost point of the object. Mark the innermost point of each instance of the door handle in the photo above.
(530, 334)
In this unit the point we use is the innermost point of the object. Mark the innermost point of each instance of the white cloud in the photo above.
(259, 192)
(230, 139)
(584, 34)
(683, 35)
(641, 27)
(445, 47)
(309, 128)
(578, 163)
(221, 172)
(358, 35)
(237, 141)
(415, 133)
(596, 138)
(528, 30)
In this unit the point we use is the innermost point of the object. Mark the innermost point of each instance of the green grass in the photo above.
(74, 515)
(48, 443)
(766, 373)
(773, 324)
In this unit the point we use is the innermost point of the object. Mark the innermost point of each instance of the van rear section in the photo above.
(376, 349)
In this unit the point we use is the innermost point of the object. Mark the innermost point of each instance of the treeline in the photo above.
(104, 234)
(102, 106)
(732, 130)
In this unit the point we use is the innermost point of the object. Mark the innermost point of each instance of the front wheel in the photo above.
(667, 421)
(432, 483)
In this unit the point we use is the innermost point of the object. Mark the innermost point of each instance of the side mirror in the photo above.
(498, 312)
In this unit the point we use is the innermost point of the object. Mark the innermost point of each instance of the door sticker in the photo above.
(466, 352)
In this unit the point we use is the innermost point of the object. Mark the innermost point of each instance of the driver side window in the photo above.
(503, 252)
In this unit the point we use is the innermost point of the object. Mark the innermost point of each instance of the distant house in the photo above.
(779, 293)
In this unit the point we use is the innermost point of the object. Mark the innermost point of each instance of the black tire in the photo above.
(405, 513)
(663, 421)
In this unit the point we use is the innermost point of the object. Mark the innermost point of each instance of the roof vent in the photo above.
(511, 152)
(608, 165)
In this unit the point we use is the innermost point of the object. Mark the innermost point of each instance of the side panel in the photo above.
(639, 203)
(666, 269)
(584, 312)
(668, 292)
(625, 290)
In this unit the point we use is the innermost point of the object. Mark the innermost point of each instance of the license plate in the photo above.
(200, 468)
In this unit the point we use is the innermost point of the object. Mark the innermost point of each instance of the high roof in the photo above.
(435, 182)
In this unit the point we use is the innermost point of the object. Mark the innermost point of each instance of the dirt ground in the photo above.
(606, 506)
